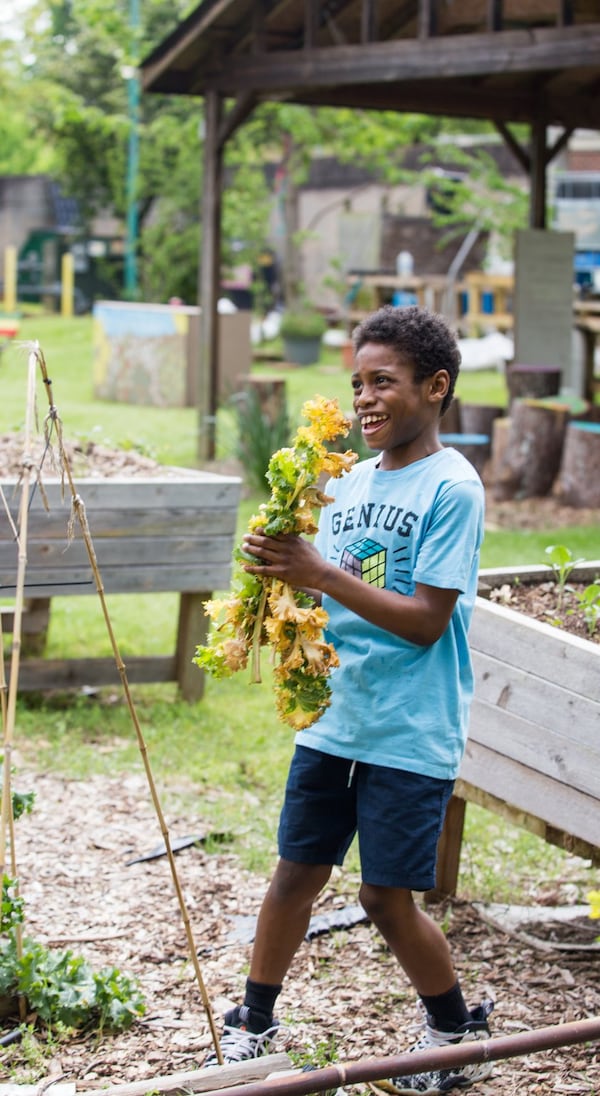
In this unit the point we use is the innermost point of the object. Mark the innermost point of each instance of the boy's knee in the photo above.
(380, 903)
(298, 882)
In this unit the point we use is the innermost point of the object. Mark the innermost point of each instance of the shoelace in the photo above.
(238, 1045)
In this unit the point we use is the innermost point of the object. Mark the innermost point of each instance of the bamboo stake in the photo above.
(9, 704)
(53, 421)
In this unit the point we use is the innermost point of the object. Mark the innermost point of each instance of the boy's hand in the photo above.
(287, 557)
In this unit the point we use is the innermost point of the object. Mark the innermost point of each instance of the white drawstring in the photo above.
(351, 774)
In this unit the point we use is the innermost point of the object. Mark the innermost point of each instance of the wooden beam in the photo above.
(427, 19)
(565, 13)
(182, 38)
(369, 25)
(494, 14)
(515, 147)
(503, 52)
(468, 98)
(209, 277)
(259, 39)
(537, 203)
(311, 23)
(559, 144)
(242, 108)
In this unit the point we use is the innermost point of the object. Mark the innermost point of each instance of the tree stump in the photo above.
(579, 483)
(269, 394)
(475, 447)
(479, 418)
(532, 457)
(499, 441)
(532, 381)
(451, 421)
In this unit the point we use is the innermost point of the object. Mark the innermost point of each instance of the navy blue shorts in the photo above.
(398, 816)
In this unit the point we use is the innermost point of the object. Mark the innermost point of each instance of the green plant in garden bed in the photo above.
(563, 563)
(58, 986)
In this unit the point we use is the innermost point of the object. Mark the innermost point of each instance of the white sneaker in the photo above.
(439, 1081)
(237, 1043)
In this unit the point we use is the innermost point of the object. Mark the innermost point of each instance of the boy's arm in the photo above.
(420, 618)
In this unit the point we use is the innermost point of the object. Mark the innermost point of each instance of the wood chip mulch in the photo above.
(345, 996)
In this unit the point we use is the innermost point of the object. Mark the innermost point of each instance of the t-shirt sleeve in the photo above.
(452, 538)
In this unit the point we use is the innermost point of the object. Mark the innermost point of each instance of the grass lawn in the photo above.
(226, 756)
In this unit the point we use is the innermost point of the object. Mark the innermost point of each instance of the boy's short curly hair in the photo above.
(424, 337)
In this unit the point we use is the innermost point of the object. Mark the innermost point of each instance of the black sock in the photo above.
(447, 1011)
(260, 999)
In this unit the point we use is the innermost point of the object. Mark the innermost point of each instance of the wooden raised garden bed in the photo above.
(172, 531)
(533, 753)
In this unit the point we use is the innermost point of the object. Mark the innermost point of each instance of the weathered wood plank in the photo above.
(543, 651)
(202, 1080)
(469, 55)
(43, 674)
(573, 718)
(518, 817)
(139, 551)
(535, 747)
(556, 803)
(178, 488)
(123, 580)
(170, 520)
(491, 578)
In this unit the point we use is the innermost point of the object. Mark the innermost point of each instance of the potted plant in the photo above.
(302, 328)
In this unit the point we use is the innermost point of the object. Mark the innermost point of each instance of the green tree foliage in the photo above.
(67, 82)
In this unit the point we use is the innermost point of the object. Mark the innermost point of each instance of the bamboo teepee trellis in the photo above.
(53, 426)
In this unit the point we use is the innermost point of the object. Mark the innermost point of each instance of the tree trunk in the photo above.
(451, 421)
(479, 418)
(533, 381)
(500, 432)
(531, 460)
(580, 468)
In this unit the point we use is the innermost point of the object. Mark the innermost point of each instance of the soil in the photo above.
(345, 995)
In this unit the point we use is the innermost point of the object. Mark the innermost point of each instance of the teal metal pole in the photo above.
(133, 101)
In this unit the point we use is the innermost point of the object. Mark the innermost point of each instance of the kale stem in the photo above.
(257, 634)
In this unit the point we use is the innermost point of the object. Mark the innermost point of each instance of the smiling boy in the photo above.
(395, 565)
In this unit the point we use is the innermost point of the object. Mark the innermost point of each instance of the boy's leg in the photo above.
(422, 950)
(417, 942)
(281, 927)
(284, 917)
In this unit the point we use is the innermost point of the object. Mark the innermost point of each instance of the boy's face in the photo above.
(397, 415)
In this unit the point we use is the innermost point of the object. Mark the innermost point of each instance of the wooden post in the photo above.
(208, 381)
(448, 855)
(192, 631)
(537, 206)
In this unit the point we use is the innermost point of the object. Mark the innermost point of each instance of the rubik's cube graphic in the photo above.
(365, 559)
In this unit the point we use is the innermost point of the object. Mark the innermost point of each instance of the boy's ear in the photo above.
(440, 382)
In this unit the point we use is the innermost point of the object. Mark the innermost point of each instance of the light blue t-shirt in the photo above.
(395, 703)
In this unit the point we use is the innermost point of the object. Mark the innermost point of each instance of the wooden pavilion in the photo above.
(528, 61)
